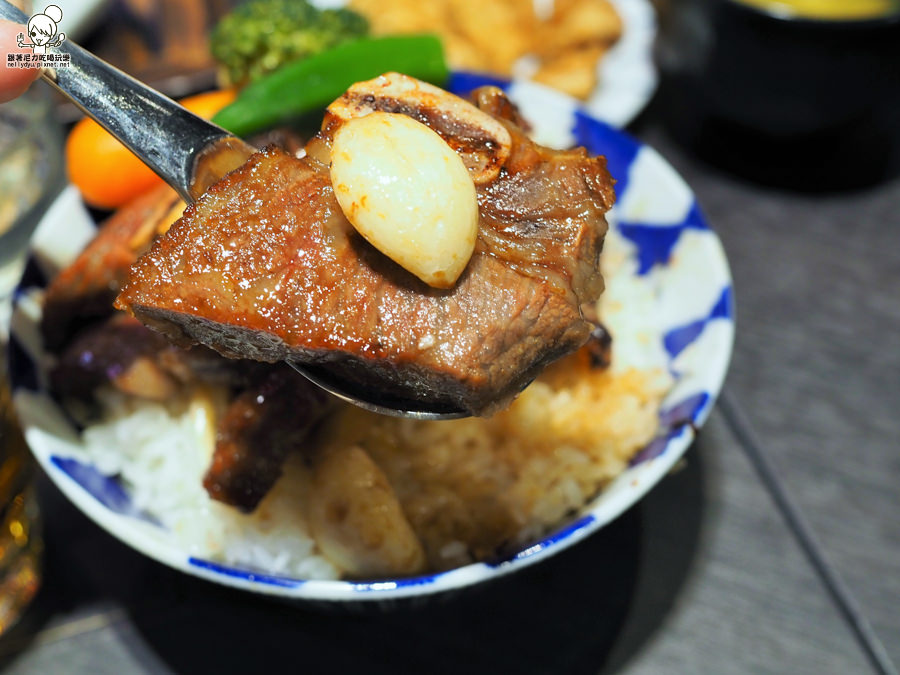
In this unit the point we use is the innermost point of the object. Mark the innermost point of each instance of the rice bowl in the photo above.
(672, 329)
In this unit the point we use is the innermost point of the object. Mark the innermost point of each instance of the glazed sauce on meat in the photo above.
(265, 266)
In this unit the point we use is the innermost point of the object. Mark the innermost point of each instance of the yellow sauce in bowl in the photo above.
(832, 10)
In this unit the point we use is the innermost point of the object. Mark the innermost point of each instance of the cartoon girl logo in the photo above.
(42, 29)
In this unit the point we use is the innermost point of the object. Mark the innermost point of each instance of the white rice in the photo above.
(161, 454)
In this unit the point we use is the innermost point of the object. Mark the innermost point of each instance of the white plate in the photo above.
(686, 299)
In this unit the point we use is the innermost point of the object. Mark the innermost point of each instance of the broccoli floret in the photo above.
(259, 36)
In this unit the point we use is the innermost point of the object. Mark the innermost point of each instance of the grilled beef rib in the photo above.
(265, 265)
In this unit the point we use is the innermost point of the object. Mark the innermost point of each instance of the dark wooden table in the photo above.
(774, 548)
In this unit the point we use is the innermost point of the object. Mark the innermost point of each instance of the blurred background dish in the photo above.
(598, 51)
(607, 63)
(795, 93)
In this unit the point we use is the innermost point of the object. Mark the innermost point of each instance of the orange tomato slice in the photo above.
(106, 172)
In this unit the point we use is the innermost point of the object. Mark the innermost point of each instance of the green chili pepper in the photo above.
(304, 86)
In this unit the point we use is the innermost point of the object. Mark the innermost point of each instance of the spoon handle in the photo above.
(165, 136)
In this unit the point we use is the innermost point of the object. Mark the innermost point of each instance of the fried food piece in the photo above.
(491, 36)
(578, 24)
(573, 72)
(501, 32)
(401, 16)
(486, 36)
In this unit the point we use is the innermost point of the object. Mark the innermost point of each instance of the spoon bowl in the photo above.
(377, 402)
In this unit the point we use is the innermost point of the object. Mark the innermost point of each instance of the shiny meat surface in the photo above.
(265, 265)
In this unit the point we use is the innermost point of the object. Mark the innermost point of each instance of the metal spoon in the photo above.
(190, 154)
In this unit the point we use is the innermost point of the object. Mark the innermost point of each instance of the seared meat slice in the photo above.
(86, 289)
(259, 428)
(266, 266)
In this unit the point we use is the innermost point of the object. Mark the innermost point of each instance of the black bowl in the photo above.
(790, 101)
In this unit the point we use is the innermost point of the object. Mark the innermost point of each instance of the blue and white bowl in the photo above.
(687, 301)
